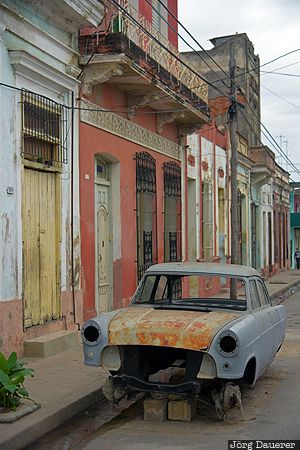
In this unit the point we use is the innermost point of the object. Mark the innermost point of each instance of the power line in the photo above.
(183, 39)
(279, 96)
(258, 138)
(266, 132)
(270, 139)
(283, 67)
(246, 72)
(203, 49)
(79, 108)
(281, 73)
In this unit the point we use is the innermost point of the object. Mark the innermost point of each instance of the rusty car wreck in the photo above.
(206, 321)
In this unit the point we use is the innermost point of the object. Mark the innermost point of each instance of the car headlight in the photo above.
(228, 344)
(91, 333)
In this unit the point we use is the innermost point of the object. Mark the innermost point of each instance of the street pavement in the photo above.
(64, 387)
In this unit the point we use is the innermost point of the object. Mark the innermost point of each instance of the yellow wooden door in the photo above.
(40, 248)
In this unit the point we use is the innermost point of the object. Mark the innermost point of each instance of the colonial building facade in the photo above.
(138, 103)
(40, 287)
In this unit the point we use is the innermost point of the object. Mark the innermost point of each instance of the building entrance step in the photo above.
(51, 344)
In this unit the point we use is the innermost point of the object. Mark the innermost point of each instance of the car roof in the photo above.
(203, 268)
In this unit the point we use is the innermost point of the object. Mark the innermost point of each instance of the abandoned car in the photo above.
(208, 321)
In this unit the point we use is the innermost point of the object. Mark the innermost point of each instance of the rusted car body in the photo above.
(209, 321)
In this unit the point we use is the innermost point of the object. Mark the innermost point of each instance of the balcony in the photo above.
(264, 165)
(143, 68)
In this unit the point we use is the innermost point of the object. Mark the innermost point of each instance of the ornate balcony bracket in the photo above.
(186, 130)
(98, 74)
(164, 118)
(135, 101)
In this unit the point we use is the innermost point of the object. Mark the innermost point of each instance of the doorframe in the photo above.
(31, 165)
(103, 182)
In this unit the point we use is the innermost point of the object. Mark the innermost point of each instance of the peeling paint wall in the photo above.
(36, 54)
(10, 251)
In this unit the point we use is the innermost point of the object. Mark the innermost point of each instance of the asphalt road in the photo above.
(271, 411)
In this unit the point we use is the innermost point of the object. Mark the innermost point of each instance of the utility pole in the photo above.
(234, 159)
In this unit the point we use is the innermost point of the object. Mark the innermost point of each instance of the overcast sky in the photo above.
(273, 26)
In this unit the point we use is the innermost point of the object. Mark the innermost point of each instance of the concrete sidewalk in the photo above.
(65, 387)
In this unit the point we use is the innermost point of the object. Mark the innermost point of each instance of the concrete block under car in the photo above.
(183, 410)
(155, 410)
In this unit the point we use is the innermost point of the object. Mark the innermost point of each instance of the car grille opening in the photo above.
(228, 344)
(91, 333)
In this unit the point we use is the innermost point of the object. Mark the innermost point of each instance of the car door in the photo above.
(264, 342)
(275, 316)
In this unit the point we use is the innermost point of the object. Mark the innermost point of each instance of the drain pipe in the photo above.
(72, 215)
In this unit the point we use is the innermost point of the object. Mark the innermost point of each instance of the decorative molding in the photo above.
(91, 12)
(98, 74)
(164, 118)
(204, 165)
(26, 64)
(117, 125)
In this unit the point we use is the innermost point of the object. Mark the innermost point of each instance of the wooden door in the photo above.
(102, 249)
(40, 248)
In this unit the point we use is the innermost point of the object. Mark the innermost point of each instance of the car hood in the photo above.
(192, 330)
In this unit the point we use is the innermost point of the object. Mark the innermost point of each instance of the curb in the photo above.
(285, 289)
(20, 439)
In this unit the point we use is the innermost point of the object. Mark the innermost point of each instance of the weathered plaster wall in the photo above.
(95, 141)
(10, 248)
(31, 59)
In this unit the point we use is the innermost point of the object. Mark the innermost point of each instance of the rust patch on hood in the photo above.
(182, 329)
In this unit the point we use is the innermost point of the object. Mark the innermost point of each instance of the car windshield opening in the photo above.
(193, 291)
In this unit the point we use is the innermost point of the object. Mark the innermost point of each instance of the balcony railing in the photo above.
(136, 27)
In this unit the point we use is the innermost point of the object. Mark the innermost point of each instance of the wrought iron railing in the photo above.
(154, 47)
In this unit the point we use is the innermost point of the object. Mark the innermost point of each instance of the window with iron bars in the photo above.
(172, 211)
(44, 129)
(146, 214)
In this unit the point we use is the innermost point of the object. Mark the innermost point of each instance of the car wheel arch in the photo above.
(250, 371)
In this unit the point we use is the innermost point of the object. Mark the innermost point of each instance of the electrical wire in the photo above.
(266, 131)
(192, 37)
(296, 75)
(79, 108)
(120, 8)
(265, 64)
(279, 96)
(189, 45)
(282, 67)
(270, 139)
(258, 138)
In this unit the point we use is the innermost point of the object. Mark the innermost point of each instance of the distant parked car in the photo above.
(211, 321)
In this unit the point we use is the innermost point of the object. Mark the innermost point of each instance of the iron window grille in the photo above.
(172, 211)
(146, 214)
(45, 129)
